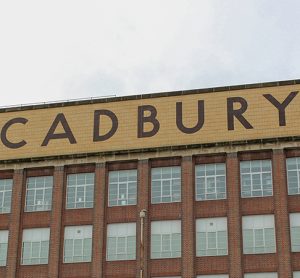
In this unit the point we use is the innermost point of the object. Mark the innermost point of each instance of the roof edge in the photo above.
(147, 96)
(262, 141)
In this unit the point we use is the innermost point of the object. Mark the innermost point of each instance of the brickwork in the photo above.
(234, 216)
(188, 220)
(14, 225)
(281, 215)
(98, 221)
(188, 210)
(55, 224)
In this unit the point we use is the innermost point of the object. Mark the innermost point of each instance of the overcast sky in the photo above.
(56, 50)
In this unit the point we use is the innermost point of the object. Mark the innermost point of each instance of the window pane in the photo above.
(39, 193)
(5, 195)
(80, 190)
(166, 239)
(121, 242)
(78, 244)
(259, 234)
(211, 239)
(122, 188)
(293, 169)
(35, 246)
(165, 185)
(210, 181)
(256, 178)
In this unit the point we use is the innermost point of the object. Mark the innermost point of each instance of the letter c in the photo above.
(4, 130)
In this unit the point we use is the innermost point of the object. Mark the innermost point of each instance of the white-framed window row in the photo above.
(3, 247)
(35, 246)
(213, 276)
(121, 242)
(256, 178)
(210, 181)
(5, 195)
(295, 231)
(165, 239)
(261, 275)
(259, 234)
(80, 190)
(293, 175)
(211, 237)
(165, 184)
(78, 244)
(39, 193)
(122, 188)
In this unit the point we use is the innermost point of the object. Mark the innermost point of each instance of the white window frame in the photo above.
(207, 226)
(259, 223)
(76, 202)
(79, 235)
(127, 178)
(121, 233)
(167, 233)
(39, 205)
(213, 276)
(293, 169)
(295, 231)
(6, 193)
(3, 247)
(38, 239)
(210, 179)
(169, 183)
(261, 275)
(252, 173)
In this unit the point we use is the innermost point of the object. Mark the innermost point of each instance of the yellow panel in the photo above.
(262, 115)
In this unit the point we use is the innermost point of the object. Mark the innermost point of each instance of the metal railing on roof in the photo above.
(56, 102)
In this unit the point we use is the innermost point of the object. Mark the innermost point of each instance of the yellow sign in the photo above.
(161, 121)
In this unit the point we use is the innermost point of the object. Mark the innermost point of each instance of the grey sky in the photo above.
(53, 50)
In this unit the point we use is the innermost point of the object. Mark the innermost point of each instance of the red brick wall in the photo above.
(234, 207)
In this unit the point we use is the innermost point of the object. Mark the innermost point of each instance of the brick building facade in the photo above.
(221, 208)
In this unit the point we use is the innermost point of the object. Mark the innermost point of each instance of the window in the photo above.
(214, 276)
(210, 181)
(121, 241)
(122, 188)
(166, 239)
(261, 275)
(295, 231)
(293, 175)
(296, 274)
(5, 195)
(256, 178)
(259, 234)
(78, 244)
(35, 246)
(80, 191)
(39, 193)
(3, 247)
(166, 185)
(211, 238)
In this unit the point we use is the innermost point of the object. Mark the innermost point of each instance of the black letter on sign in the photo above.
(114, 120)
(281, 106)
(60, 118)
(231, 113)
(198, 126)
(149, 119)
(4, 139)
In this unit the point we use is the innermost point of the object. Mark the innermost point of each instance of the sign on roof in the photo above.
(162, 121)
